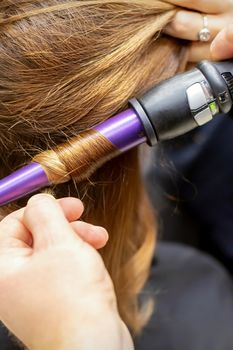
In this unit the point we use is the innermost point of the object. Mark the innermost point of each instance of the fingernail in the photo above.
(101, 238)
(40, 196)
(100, 231)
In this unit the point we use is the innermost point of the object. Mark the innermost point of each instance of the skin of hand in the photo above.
(222, 46)
(55, 291)
(188, 21)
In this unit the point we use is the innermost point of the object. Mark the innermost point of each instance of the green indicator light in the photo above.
(213, 107)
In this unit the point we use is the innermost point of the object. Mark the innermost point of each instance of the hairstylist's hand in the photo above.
(189, 21)
(55, 292)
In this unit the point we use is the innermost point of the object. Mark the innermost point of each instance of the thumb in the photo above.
(222, 46)
(45, 219)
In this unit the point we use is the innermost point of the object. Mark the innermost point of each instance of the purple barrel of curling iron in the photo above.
(166, 111)
(124, 131)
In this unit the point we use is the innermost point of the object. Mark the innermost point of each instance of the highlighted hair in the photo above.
(78, 158)
(66, 66)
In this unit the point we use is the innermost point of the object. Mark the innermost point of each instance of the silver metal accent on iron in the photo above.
(198, 103)
(203, 117)
(207, 90)
(210, 97)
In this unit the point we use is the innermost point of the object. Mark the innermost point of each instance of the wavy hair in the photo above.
(66, 66)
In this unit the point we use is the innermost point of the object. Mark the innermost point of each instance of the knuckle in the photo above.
(39, 202)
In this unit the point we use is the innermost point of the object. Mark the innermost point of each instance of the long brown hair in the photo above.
(65, 66)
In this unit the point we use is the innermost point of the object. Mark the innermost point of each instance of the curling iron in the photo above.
(170, 109)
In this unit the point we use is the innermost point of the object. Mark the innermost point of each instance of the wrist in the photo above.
(90, 331)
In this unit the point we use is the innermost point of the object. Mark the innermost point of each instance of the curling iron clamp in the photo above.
(166, 111)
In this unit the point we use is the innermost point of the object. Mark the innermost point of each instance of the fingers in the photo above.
(222, 46)
(44, 218)
(205, 6)
(72, 208)
(187, 25)
(94, 235)
(14, 233)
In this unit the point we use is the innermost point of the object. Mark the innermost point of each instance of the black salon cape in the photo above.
(193, 302)
(191, 185)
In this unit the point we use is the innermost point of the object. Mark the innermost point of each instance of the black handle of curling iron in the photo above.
(186, 101)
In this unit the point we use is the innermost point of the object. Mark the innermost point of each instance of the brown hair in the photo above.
(66, 66)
